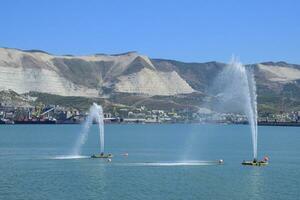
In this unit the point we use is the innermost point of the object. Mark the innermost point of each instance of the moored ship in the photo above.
(36, 121)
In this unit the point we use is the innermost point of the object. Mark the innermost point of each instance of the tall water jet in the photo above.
(95, 114)
(235, 91)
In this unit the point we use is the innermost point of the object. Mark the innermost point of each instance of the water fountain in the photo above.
(95, 114)
(235, 91)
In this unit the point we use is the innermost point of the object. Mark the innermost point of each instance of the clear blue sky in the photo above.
(256, 30)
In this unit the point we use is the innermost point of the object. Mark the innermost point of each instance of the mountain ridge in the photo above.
(130, 74)
(279, 62)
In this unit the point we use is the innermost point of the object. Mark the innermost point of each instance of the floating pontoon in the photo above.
(102, 155)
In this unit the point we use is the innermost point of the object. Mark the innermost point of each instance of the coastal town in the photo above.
(56, 114)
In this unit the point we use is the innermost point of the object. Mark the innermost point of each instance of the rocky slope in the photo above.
(91, 76)
(135, 79)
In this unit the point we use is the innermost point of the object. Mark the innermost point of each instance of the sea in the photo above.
(165, 161)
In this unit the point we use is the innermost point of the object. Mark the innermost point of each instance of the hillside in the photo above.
(88, 76)
(131, 79)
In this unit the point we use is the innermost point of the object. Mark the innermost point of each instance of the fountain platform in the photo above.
(102, 155)
(253, 163)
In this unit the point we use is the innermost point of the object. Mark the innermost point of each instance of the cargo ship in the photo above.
(35, 121)
(37, 117)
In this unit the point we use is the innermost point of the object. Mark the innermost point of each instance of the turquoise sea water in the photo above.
(34, 164)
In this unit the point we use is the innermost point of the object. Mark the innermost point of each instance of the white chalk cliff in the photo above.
(24, 71)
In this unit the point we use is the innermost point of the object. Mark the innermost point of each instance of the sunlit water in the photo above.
(35, 163)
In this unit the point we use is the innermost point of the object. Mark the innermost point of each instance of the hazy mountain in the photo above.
(95, 75)
(134, 79)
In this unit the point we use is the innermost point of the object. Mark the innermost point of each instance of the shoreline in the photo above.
(283, 124)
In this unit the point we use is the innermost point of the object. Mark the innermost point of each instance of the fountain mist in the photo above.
(235, 91)
(95, 113)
